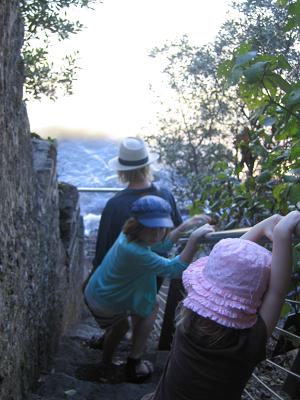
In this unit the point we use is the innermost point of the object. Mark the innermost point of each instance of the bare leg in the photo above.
(137, 370)
(113, 336)
(142, 328)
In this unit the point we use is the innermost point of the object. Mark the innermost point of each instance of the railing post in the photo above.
(175, 295)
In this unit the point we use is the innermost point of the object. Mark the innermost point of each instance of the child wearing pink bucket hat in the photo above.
(233, 302)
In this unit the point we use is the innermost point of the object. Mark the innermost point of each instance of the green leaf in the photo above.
(235, 75)
(291, 24)
(256, 72)
(278, 190)
(224, 69)
(239, 168)
(295, 150)
(292, 99)
(294, 193)
(283, 63)
(278, 81)
(245, 58)
(285, 310)
(206, 179)
(290, 178)
(294, 9)
(282, 3)
(265, 176)
(222, 176)
(221, 165)
(244, 48)
(289, 130)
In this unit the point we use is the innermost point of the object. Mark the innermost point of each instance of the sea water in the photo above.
(84, 163)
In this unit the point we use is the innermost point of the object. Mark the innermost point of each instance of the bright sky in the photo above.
(111, 94)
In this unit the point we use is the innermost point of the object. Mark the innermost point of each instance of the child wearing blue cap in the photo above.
(124, 284)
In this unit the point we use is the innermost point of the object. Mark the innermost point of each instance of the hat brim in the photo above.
(114, 163)
(209, 301)
(161, 222)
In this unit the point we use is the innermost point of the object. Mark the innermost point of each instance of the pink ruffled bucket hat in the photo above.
(229, 284)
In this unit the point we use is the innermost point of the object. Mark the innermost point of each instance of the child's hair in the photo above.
(207, 330)
(136, 175)
(133, 228)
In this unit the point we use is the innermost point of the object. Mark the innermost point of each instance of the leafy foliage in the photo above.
(259, 116)
(194, 120)
(268, 83)
(274, 104)
(45, 20)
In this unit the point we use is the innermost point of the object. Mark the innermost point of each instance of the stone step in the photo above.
(61, 381)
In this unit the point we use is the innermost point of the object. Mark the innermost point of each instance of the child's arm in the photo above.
(175, 234)
(191, 246)
(280, 270)
(264, 228)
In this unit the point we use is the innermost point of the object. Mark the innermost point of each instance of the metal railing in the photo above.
(99, 190)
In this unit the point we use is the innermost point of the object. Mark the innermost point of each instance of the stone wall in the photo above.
(40, 272)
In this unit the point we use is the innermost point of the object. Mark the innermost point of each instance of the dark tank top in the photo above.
(197, 371)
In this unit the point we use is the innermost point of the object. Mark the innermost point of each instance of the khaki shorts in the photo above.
(106, 321)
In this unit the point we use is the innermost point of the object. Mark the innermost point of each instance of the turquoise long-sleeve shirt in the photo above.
(125, 281)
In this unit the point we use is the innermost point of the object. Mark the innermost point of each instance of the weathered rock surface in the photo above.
(40, 273)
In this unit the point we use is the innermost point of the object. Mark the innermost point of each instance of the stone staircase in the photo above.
(63, 381)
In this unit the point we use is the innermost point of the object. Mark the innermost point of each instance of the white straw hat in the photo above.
(133, 154)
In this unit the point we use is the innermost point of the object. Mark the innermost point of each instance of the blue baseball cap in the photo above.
(152, 212)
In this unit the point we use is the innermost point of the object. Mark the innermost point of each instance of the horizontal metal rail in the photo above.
(99, 190)
(249, 395)
(266, 387)
(215, 237)
(283, 369)
(287, 333)
(292, 301)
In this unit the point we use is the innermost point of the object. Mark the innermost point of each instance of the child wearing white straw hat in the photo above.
(133, 165)
(233, 303)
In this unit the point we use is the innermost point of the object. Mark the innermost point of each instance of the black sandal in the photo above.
(131, 370)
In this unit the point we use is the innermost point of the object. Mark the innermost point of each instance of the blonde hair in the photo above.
(136, 175)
